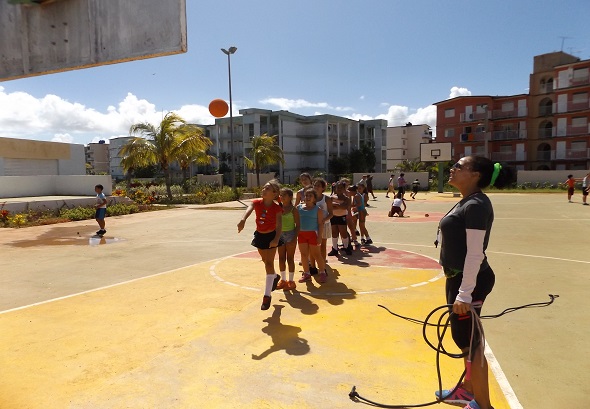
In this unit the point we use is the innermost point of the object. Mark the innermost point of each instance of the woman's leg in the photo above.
(315, 252)
(478, 384)
(268, 258)
(304, 250)
(283, 257)
(290, 251)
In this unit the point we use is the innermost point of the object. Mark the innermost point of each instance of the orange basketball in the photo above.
(218, 108)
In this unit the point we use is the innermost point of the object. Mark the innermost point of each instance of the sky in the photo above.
(371, 59)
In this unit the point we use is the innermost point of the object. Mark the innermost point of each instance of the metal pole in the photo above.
(231, 128)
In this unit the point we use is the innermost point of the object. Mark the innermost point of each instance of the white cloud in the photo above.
(54, 118)
(291, 104)
(65, 138)
(459, 92)
(362, 97)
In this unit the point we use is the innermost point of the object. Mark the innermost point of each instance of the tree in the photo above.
(265, 152)
(411, 166)
(172, 141)
(368, 151)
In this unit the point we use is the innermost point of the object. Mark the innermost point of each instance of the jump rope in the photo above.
(441, 330)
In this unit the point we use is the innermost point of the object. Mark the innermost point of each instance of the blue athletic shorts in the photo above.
(101, 213)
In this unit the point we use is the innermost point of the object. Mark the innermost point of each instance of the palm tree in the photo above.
(265, 152)
(411, 166)
(170, 142)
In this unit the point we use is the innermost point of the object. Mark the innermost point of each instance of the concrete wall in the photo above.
(69, 185)
(210, 179)
(381, 180)
(551, 176)
(264, 177)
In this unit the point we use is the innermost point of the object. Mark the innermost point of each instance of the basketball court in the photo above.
(166, 313)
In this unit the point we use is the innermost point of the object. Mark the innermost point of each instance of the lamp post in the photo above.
(229, 52)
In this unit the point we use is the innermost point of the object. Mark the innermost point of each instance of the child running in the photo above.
(267, 236)
(289, 237)
(310, 218)
(415, 188)
(325, 203)
(362, 214)
(396, 206)
(340, 208)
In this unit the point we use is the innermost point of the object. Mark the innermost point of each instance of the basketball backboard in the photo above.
(61, 35)
(435, 152)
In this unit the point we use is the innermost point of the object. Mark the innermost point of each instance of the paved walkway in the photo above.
(165, 313)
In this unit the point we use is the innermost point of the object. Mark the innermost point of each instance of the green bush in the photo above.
(119, 209)
(78, 213)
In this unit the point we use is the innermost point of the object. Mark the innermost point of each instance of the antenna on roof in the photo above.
(563, 38)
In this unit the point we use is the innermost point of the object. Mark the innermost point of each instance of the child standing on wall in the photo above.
(101, 209)
(267, 236)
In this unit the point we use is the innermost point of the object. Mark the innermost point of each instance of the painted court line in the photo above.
(500, 376)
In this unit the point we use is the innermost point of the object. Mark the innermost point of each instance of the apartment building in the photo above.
(97, 156)
(403, 143)
(547, 128)
(114, 146)
(308, 142)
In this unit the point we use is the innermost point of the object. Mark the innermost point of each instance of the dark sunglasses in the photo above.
(457, 166)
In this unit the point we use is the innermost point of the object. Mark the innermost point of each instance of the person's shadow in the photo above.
(283, 336)
(333, 291)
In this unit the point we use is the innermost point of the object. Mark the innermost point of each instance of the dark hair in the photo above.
(287, 191)
(485, 167)
(570, 176)
(321, 181)
(352, 188)
(311, 191)
(99, 186)
(305, 175)
(402, 174)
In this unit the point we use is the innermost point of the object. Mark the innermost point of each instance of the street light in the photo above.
(229, 52)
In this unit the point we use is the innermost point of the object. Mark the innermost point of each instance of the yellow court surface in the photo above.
(195, 337)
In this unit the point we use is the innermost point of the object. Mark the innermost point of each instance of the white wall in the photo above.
(210, 179)
(53, 185)
(551, 176)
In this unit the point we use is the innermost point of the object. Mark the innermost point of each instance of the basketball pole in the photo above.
(441, 177)
(229, 52)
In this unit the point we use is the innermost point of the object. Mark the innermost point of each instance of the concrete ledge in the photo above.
(19, 205)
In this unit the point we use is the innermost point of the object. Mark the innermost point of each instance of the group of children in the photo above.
(571, 183)
(310, 221)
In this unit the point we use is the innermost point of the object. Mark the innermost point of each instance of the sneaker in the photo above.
(99, 232)
(333, 252)
(363, 241)
(369, 241)
(265, 302)
(275, 282)
(291, 285)
(348, 250)
(585, 204)
(472, 405)
(313, 270)
(322, 277)
(305, 277)
(460, 396)
(282, 285)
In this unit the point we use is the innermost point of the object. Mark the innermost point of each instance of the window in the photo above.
(251, 130)
(449, 113)
(449, 133)
(580, 97)
(579, 146)
(581, 74)
(508, 107)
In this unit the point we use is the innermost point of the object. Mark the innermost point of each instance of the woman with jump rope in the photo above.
(464, 233)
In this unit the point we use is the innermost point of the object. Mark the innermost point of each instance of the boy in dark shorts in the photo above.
(101, 209)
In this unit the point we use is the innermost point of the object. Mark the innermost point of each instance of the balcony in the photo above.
(546, 133)
(545, 155)
(473, 137)
(572, 131)
(577, 105)
(508, 156)
(570, 154)
(508, 135)
(515, 113)
(576, 82)
(546, 110)
(474, 116)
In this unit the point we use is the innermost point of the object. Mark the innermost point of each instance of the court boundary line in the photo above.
(501, 378)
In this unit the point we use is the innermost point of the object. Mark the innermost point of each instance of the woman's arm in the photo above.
(330, 208)
(473, 259)
(320, 225)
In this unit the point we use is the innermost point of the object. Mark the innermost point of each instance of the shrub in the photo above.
(119, 209)
(78, 213)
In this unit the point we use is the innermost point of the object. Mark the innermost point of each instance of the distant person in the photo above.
(310, 218)
(305, 180)
(571, 183)
(289, 231)
(401, 184)
(396, 206)
(101, 209)
(370, 187)
(585, 188)
(390, 186)
(362, 215)
(415, 188)
(340, 208)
